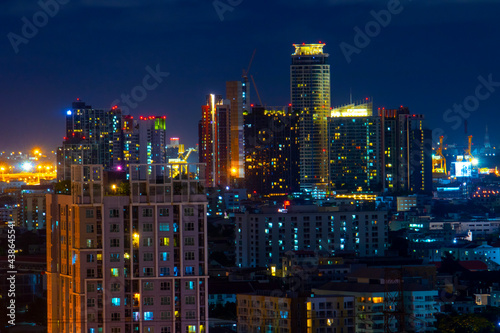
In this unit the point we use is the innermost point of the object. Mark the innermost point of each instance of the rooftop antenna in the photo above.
(350, 95)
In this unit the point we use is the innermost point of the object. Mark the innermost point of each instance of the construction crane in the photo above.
(245, 76)
(245, 72)
(468, 157)
(181, 163)
(439, 161)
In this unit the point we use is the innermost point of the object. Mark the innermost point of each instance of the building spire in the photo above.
(487, 139)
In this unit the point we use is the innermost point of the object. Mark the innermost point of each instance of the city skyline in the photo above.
(443, 53)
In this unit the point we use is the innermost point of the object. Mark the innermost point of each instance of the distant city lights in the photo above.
(27, 166)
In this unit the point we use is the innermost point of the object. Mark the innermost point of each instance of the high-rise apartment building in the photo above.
(354, 138)
(215, 140)
(264, 236)
(294, 313)
(128, 255)
(92, 137)
(271, 151)
(310, 97)
(144, 140)
(236, 93)
(31, 211)
(407, 157)
(109, 138)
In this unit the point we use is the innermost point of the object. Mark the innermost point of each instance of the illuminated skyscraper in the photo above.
(354, 148)
(128, 258)
(92, 137)
(215, 140)
(271, 145)
(407, 157)
(144, 140)
(310, 96)
(238, 95)
(110, 139)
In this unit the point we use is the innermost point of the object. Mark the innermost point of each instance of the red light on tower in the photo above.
(286, 204)
(164, 117)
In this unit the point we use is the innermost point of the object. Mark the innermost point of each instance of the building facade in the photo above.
(95, 136)
(372, 307)
(271, 151)
(263, 237)
(310, 97)
(354, 146)
(92, 137)
(215, 140)
(407, 158)
(31, 212)
(237, 94)
(128, 262)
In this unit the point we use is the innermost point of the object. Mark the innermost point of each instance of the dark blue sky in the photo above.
(428, 58)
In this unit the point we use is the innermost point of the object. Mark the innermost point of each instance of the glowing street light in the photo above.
(27, 166)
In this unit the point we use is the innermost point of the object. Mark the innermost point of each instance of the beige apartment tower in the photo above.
(128, 255)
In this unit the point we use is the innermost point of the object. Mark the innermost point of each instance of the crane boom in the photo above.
(245, 73)
(255, 87)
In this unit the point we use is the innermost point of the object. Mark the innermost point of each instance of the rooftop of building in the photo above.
(470, 265)
(309, 49)
(239, 287)
(355, 287)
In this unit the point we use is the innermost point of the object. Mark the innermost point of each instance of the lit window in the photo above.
(148, 315)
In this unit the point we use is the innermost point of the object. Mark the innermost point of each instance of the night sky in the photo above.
(428, 58)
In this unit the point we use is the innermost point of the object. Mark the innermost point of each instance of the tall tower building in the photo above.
(144, 140)
(487, 139)
(95, 136)
(128, 258)
(152, 139)
(271, 145)
(215, 140)
(310, 96)
(407, 157)
(92, 137)
(354, 148)
(236, 93)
